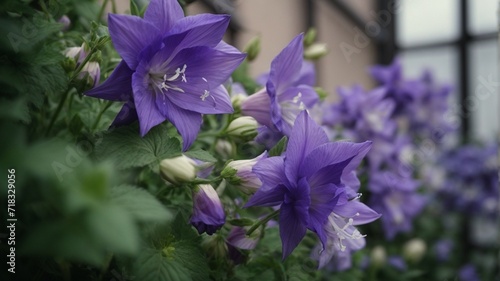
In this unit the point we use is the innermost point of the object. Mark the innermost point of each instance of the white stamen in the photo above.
(297, 98)
(204, 79)
(302, 106)
(205, 95)
(342, 232)
(178, 73)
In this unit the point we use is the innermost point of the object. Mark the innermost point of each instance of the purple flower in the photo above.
(237, 240)
(208, 212)
(397, 262)
(288, 90)
(472, 184)
(307, 184)
(342, 237)
(468, 273)
(402, 92)
(172, 69)
(443, 249)
(396, 199)
(362, 115)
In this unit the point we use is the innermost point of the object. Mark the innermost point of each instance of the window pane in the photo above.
(442, 62)
(484, 83)
(425, 21)
(483, 16)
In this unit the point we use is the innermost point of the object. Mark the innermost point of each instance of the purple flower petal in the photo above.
(163, 14)
(335, 152)
(257, 106)
(267, 196)
(144, 100)
(187, 122)
(118, 87)
(203, 29)
(292, 230)
(285, 67)
(270, 170)
(294, 216)
(307, 74)
(130, 35)
(359, 212)
(329, 174)
(323, 200)
(300, 94)
(306, 136)
(226, 48)
(205, 70)
(127, 115)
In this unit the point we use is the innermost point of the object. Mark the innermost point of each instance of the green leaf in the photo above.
(152, 265)
(201, 155)
(140, 204)
(64, 239)
(278, 149)
(183, 230)
(114, 229)
(134, 10)
(15, 110)
(126, 148)
(192, 258)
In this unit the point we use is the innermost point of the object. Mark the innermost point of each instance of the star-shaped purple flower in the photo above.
(307, 182)
(172, 68)
(288, 90)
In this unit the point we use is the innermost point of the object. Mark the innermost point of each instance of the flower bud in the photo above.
(378, 256)
(414, 249)
(315, 51)
(65, 22)
(244, 126)
(73, 53)
(252, 48)
(240, 173)
(208, 213)
(224, 149)
(178, 169)
(310, 37)
(92, 72)
(215, 246)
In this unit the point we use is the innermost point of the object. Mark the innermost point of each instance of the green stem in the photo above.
(262, 221)
(101, 11)
(58, 110)
(113, 7)
(96, 122)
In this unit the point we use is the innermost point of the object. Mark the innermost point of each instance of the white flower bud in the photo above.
(315, 51)
(224, 148)
(244, 126)
(178, 169)
(73, 53)
(240, 173)
(414, 249)
(379, 256)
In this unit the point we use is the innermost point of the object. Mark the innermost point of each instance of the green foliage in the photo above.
(140, 204)
(126, 148)
(279, 148)
(201, 155)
